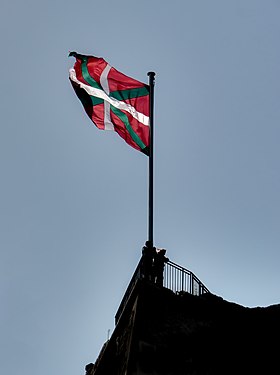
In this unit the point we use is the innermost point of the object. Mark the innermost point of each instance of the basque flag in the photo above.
(112, 100)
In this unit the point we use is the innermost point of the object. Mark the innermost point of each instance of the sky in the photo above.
(73, 202)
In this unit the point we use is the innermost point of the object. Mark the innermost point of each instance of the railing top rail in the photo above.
(178, 267)
(189, 274)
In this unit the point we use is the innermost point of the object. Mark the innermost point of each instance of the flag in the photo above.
(112, 100)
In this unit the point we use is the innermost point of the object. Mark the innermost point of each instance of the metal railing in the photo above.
(179, 279)
(176, 278)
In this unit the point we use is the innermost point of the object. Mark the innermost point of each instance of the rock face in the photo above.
(163, 333)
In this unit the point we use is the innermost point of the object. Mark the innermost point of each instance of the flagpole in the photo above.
(151, 158)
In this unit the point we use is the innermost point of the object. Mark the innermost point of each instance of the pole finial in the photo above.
(151, 77)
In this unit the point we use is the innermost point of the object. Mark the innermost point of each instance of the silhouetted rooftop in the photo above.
(162, 332)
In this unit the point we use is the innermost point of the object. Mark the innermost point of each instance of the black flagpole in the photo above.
(151, 158)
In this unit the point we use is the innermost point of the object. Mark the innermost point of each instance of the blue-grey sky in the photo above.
(73, 200)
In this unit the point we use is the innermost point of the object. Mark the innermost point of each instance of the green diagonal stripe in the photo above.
(87, 77)
(123, 117)
(130, 93)
(95, 100)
